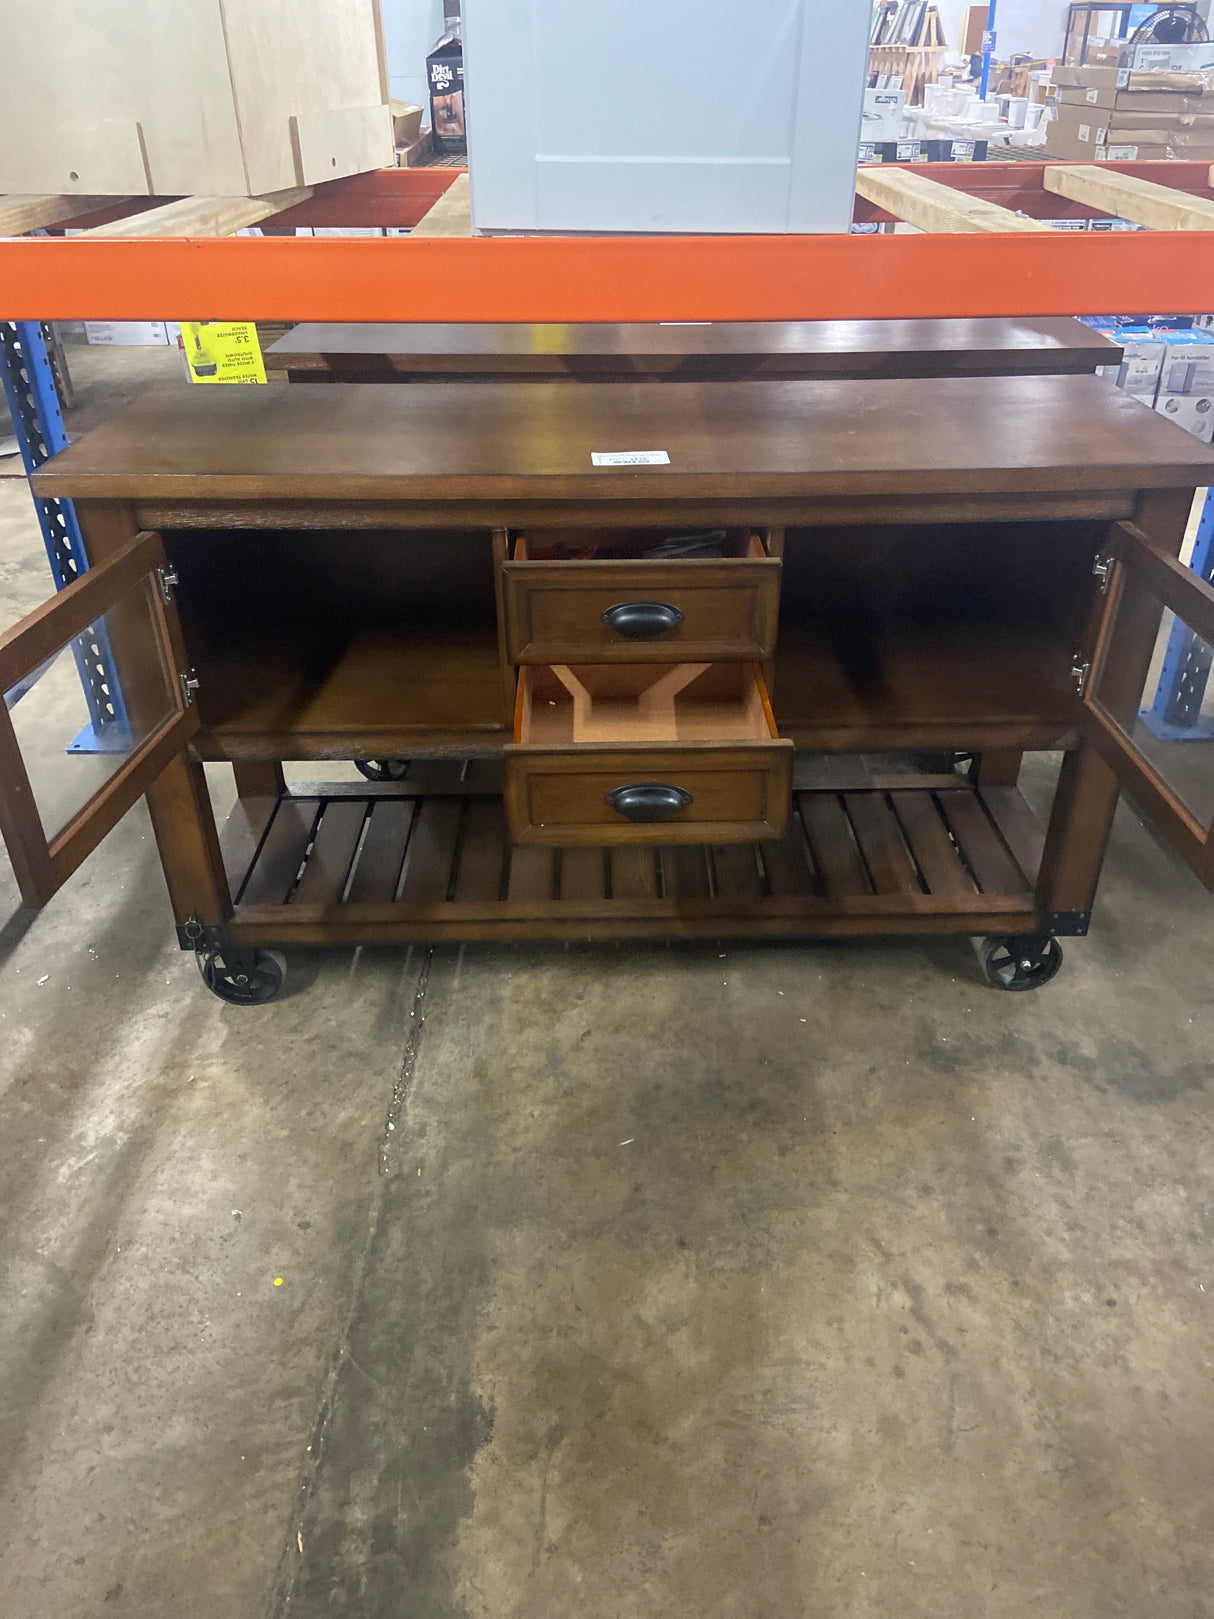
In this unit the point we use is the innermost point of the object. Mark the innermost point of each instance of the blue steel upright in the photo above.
(33, 401)
(1175, 715)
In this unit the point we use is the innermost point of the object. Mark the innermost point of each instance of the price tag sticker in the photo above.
(222, 351)
(630, 458)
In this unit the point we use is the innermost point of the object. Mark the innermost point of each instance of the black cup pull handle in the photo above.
(648, 801)
(642, 621)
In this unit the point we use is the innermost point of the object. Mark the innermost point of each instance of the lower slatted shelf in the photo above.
(430, 858)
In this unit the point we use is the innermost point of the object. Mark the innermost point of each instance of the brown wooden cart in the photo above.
(677, 700)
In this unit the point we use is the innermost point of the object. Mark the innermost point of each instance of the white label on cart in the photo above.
(1085, 132)
(1123, 78)
(631, 458)
(1093, 96)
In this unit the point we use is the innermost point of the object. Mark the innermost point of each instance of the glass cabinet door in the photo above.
(57, 805)
(1150, 694)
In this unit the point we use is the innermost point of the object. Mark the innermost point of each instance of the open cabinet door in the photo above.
(1158, 627)
(55, 806)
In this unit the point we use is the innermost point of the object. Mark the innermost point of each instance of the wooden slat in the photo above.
(1128, 198)
(736, 871)
(431, 851)
(984, 851)
(21, 214)
(1022, 831)
(272, 877)
(202, 216)
(835, 855)
(634, 874)
(451, 215)
(530, 873)
(482, 851)
(685, 872)
(934, 207)
(582, 874)
(931, 845)
(787, 862)
(333, 849)
(241, 836)
(382, 854)
(880, 839)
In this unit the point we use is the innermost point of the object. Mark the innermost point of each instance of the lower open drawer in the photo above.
(609, 755)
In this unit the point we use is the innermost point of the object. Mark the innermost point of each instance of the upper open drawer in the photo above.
(641, 596)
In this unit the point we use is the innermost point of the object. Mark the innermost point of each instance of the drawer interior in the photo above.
(630, 703)
(637, 545)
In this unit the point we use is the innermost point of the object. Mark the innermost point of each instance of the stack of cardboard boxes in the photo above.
(1107, 114)
(1171, 371)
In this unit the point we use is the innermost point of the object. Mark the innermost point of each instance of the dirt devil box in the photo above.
(445, 72)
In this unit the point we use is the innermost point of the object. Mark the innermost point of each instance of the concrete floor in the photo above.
(799, 1282)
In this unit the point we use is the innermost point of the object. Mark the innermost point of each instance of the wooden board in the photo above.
(344, 140)
(709, 351)
(300, 59)
(935, 207)
(21, 214)
(476, 453)
(192, 98)
(202, 216)
(86, 157)
(451, 214)
(1126, 197)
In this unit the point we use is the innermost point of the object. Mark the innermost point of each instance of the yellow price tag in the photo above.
(222, 351)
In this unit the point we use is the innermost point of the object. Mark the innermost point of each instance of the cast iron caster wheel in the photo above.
(1019, 963)
(242, 977)
(382, 769)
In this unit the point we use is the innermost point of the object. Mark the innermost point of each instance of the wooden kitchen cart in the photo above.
(674, 700)
(682, 351)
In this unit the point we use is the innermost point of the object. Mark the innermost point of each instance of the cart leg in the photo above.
(259, 778)
(997, 767)
(1076, 842)
(188, 841)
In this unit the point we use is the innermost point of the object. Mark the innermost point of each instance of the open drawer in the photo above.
(646, 754)
(592, 596)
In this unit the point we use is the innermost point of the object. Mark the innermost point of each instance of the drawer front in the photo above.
(642, 612)
(590, 794)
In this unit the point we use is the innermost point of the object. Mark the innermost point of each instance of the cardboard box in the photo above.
(1171, 58)
(1119, 150)
(1141, 365)
(1188, 365)
(1193, 412)
(129, 333)
(445, 76)
(883, 114)
(1081, 141)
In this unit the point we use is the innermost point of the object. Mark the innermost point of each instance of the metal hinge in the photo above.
(1103, 569)
(189, 685)
(168, 578)
(1080, 670)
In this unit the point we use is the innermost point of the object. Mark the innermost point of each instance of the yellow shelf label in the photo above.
(222, 351)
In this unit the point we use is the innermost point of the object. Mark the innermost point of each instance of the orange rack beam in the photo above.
(612, 278)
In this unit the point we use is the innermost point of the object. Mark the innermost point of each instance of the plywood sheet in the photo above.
(348, 140)
(294, 59)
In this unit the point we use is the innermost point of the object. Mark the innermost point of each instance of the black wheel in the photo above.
(382, 769)
(242, 977)
(1019, 963)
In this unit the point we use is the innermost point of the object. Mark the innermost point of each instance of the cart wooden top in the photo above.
(819, 348)
(461, 443)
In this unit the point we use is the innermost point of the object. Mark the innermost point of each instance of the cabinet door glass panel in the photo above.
(76, 725)
(1166, 713)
